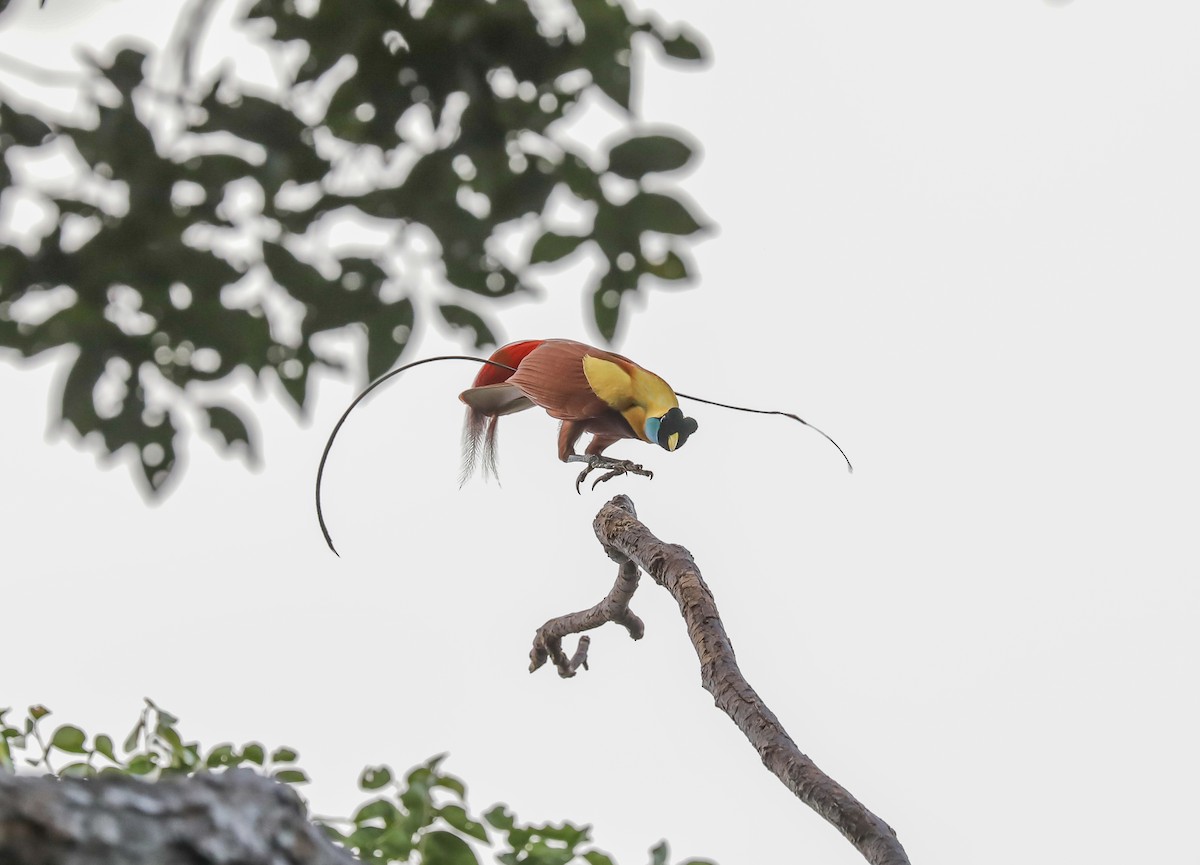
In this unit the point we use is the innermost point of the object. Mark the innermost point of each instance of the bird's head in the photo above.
(671, 430)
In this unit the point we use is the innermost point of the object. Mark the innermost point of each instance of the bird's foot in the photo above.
(613, 468)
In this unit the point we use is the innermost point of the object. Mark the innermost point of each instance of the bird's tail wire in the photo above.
(794, 417)
(387, 375)
(391, 373)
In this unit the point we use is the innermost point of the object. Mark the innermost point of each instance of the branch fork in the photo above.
(547, 642)
(634, 548)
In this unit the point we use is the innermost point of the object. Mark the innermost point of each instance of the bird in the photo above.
(588, 389)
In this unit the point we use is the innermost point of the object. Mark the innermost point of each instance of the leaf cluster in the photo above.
(421, 817)
(153, 749)
(189, 241)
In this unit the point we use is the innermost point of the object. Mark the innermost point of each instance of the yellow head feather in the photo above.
(635, 392)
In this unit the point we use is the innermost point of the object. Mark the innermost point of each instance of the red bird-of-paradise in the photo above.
(588, 389)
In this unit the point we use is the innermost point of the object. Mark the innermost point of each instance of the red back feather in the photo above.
(479, 430)
(510, 355)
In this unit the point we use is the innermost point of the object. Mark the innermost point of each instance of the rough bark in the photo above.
(547, 643)
(628, 542)
(231, 818)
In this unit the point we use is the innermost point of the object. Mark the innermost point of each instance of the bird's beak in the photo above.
(672, 441)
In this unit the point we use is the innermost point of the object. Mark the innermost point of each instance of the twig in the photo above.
(547, 642)
(630, 543)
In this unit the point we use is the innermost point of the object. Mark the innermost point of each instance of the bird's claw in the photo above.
(612, 473)
(615, 468)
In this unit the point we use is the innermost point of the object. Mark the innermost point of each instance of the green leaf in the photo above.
(459, 317)
(290, 776)
(655, 211)
(541, 853)
(388, 332)
(364, 838)
(672, 267)
(131, 741)
(170, 736)
(397, 840)
(300, 279)
(231, 428)
(417, 798)
(607, 298)
(295, 387)
(332, 833)
(38, 712)
(638, 156)
(81, 208)
(449, 782)
(685, 46)
(25, 129)
(444, 848)
(142, 764)
(221, 755)
(458, 817)
(290, 155)
(165, 718)
(567, 833)
(156, 449)
(6, 760)
(283, 755)
(372, 778)
(70, 739)
(253, 753)
(377, 809)
(500, 817)
(595, 857)
(659, 853)
(76, 770)
(552, 246)
(104, 745)
(125, 71)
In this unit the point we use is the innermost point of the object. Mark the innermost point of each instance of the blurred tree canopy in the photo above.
(189, 224)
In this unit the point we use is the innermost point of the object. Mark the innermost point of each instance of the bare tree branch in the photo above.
(628, 542)
(614, 608)
(232, 818)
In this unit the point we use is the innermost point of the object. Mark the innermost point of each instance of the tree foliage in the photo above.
(424, 812)
(190, 222)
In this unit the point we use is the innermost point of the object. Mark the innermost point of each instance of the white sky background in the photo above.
(962, 239)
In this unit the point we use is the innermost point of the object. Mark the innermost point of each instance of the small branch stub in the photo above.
(547, 642)
(629, 543)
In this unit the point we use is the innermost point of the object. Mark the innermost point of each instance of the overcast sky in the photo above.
(959, 237)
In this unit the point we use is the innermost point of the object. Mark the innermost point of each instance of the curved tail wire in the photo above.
(391, 373)
(767, 411)
(360, 398)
